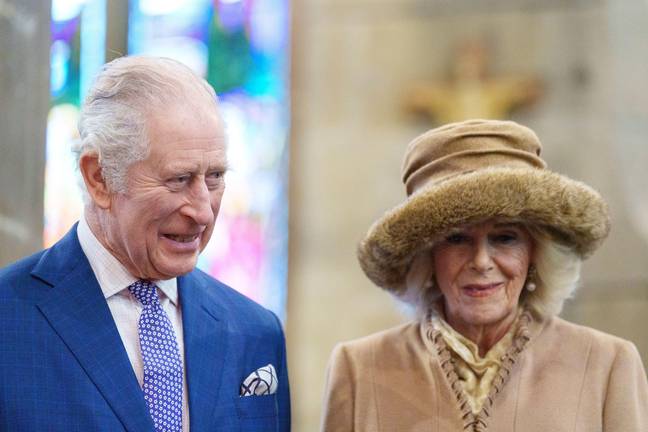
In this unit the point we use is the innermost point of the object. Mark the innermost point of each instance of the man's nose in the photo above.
(199, 207)
(482, 260)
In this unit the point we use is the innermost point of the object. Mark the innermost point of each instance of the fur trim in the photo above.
(571, 212)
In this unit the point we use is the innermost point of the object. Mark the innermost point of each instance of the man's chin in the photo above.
(172, 270)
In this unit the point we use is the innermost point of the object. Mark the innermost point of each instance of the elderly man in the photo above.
(113, 329)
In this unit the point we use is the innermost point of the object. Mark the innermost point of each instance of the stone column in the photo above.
(24, 98)
(615, 300)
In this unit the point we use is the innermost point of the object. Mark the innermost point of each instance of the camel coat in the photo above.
(562, 377)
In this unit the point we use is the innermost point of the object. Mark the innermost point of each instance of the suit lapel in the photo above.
(205, 339)
(77, 310)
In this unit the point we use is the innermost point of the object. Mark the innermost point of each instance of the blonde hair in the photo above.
(556, 278)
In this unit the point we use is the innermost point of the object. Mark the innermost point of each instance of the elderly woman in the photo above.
(488, 246)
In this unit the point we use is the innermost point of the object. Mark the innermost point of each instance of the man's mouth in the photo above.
(182, 238)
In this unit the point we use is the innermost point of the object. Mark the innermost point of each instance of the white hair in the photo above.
(556, 278)
(557, 275)
(113, 120)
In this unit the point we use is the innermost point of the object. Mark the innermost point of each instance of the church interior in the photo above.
(321, 98)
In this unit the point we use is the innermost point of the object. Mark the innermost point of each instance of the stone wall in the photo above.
(353, 64)
(24, 98)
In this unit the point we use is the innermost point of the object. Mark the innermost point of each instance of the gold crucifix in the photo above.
(471, 93)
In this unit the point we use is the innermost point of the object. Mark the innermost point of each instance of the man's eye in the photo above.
(215, 175)
(214, 178)
(180, 179)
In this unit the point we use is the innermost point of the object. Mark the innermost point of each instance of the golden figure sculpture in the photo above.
(471, 92)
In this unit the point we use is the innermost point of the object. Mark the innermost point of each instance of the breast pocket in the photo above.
(257, 413)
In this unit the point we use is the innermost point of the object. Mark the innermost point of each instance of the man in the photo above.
(113, 329)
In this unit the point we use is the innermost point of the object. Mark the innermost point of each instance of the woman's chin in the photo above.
(486, 315)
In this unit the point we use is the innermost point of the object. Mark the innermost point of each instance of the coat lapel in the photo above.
(206, 344)
(78, 312)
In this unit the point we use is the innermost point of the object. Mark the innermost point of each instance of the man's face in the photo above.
(166, 217)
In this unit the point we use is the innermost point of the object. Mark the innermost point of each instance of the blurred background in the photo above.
(321, 98)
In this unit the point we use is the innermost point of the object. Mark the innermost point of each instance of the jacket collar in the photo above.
(206, 343)
(77, 311)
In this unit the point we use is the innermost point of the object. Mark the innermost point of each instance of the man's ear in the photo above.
(94, 180)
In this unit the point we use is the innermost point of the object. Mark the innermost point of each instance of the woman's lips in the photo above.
(481, 290)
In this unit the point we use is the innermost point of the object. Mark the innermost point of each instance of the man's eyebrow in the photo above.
(221, 166)
(183, 167)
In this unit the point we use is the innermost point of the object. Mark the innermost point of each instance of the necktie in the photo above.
(162, 363)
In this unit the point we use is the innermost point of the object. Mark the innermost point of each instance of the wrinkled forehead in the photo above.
(184, 119)
(186, 131)
(193, 158)
(189, 101)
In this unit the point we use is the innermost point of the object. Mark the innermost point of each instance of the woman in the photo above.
(487, 247)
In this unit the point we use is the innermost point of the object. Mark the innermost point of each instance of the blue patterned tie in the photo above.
(162, 363)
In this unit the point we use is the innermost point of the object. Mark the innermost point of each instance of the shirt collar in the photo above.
(110, 273)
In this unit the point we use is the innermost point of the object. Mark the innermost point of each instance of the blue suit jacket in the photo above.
(63, 366)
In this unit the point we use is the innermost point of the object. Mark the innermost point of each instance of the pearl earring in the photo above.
(530, 284)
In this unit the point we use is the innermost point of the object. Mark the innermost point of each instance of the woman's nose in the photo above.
(482, 259)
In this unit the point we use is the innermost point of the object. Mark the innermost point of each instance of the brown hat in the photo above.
(473, 171)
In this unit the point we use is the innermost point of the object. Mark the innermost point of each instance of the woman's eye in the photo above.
(456, 239)
(505, 238)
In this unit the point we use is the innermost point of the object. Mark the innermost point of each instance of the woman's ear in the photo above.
(93, 178)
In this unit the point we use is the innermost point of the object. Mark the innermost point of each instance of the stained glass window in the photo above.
(241, 48)
(78, 31)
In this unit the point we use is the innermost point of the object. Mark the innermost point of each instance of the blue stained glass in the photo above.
(231, 15)
(93, 37)
(268, 20)
(65, 10)
(241, 48)
(60, 67)
(77, 51)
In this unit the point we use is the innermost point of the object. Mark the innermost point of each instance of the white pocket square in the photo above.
(262, 381)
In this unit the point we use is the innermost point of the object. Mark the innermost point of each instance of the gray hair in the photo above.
(557, 275)
(113, 117)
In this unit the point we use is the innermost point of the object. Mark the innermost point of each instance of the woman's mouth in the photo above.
(481, 290)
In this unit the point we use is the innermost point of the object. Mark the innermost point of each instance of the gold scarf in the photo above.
(475, 373)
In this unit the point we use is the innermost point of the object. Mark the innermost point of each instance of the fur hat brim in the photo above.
(570, 211)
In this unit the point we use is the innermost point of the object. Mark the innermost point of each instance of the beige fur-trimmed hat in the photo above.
(473, 171)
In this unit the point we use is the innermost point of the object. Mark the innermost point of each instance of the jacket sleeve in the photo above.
(283, 392)
(626, 402)
(339, 393)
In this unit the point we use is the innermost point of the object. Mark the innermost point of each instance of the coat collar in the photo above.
(77, 311)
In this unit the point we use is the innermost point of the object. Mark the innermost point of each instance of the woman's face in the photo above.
(481, 270)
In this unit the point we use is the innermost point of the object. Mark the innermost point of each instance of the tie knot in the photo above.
(145, 292)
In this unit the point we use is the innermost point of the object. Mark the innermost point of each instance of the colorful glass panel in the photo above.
(78, 30)
(241, 48)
